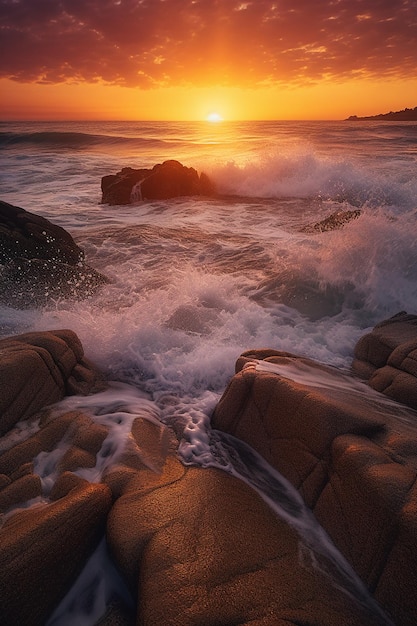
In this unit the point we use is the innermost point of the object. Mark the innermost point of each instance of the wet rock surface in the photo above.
(335, 221)
(169, 179)
(349, 451)
(387, 358)
(37, 369)
(197, 545)
(40, 261)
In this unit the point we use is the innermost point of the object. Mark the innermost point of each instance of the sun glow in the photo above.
(214, 117)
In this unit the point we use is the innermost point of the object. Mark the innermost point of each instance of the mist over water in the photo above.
(194, 282)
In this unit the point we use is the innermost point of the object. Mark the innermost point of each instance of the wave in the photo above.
(306, 174)
(74, 140)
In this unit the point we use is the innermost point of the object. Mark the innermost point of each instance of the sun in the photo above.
(214, 117)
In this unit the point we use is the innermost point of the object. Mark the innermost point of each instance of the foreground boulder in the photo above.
(387, 358)
(205, 549)
(167, 180)
(50, 521)
(40, 260)
(43, 550)
(39, 368)
(351, 453)
(197, 545)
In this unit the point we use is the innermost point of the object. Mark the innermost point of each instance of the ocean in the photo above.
(196, 281)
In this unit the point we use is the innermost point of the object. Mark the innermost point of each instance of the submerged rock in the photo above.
(40, 261)
(169, 179)
(333, 222)
(305, 294)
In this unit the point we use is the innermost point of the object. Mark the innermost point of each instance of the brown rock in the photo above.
(350, 453)
(291, 424)
(20, 491)
(153, 442)
(74, 458)
(43, 549)
(401, 567)
(205, 549)
(377, 346)
(363, 527)
(38, 369)
(387, 358)
(4, 481)
(167, 180)
(73, 427)
(22, 470)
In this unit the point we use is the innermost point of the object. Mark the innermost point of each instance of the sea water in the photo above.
(194, 282)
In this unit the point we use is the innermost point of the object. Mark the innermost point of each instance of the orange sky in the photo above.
(182, 59)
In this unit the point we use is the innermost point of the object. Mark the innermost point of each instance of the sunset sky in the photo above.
(185, 59)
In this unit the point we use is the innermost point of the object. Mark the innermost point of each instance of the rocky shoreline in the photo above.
(196, 545)
(405, 115)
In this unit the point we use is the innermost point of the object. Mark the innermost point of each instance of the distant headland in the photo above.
(406, 115)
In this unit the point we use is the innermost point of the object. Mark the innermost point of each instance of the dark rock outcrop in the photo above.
(405, 115)
(24, 235)
(40, 261)
(169, 179)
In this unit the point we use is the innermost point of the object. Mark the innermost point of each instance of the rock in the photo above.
(206, 549)
(405, 115)
(196, 545)
(40, 368)
(193, 319)
(350, 453)
(291, 424)
(333, 222)
(35, 282)
(167, 180)
(25, 235)
(148, 453)
(40, 261)
(78, 430)
(387, 358)
(20, 490)
(43, 550)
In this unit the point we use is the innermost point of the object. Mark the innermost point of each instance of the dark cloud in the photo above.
(201, 42)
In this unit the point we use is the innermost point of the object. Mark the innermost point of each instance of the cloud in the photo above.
(151, 43)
